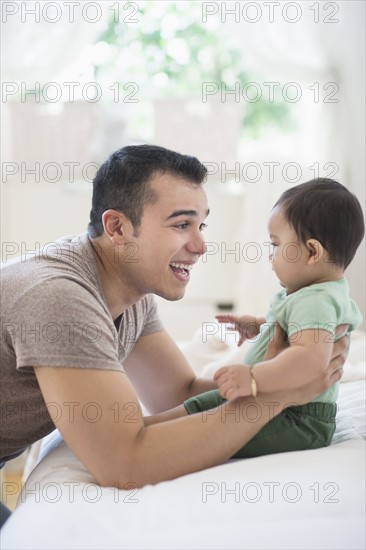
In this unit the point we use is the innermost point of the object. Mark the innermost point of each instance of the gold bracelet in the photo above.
(253, 383)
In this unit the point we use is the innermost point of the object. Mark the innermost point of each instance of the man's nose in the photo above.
(197, 244)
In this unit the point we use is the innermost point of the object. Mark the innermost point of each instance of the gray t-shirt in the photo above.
(53, 313)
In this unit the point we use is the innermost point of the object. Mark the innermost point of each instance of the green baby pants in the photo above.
(297, 428)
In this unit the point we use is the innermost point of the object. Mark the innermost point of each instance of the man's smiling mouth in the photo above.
(181, 269)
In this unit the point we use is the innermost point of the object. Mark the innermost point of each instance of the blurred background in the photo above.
(266, 94)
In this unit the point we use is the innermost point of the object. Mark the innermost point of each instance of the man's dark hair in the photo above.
(123, 182)
(325, 210)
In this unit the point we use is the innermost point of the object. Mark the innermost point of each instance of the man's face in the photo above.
(169, 240)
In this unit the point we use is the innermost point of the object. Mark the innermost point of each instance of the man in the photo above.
(82, 342)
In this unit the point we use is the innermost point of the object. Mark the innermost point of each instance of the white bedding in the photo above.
(308, 499)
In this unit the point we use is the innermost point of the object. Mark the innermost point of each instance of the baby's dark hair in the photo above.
(325, 210)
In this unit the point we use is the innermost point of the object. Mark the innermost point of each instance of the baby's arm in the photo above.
(248, 326)
(308, 354)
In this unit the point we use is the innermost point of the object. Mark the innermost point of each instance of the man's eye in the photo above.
(187, 224)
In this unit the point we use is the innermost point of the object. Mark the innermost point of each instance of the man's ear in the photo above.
(116, 226)
(316, 251)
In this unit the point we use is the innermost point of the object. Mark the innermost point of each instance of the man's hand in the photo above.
(339, 355)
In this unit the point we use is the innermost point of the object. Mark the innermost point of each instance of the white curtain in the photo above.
(38, 50)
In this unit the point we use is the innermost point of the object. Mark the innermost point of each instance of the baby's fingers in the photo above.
(232, 393)
(227, 318)
(220, 372)
(224, 389)
(241, 340)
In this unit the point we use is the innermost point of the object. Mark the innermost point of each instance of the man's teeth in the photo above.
(188, 267)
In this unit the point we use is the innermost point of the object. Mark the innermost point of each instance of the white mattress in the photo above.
(308, 499)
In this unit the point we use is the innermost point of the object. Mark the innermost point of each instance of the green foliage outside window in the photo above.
(171, 53)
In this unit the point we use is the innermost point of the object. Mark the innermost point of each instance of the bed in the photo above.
(300, 500)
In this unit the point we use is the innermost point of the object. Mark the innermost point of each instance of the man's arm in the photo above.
(160, 373)
(100, 419)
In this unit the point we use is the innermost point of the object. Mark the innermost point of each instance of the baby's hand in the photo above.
(233, 381)
(247, 325)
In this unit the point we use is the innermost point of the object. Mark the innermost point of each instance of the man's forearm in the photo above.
(171, 414)
(192, 443)
(201, 385)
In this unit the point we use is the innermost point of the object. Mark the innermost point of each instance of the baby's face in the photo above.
(289, 257)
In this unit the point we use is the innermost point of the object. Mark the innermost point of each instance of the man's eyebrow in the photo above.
(178, 213)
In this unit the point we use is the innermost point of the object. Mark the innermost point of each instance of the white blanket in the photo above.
(301, 500)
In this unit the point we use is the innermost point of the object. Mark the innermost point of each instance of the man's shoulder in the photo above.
(60, 271)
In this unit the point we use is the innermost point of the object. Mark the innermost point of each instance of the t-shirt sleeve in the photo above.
(61, 323)
(152, 320)
(314, 309)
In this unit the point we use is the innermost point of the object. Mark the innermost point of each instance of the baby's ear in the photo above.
(316, 251)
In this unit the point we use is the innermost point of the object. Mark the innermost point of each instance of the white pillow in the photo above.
(207, 353)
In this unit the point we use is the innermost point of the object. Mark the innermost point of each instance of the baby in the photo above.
(315, 229)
